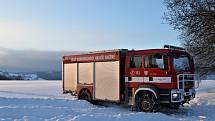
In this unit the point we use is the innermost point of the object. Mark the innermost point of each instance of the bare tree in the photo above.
(195, 19)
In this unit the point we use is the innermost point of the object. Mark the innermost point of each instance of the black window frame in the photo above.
(165, 61)
(132, 63)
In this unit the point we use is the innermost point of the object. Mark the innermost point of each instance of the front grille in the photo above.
(186, 81)
(188, 84)
(180, 85)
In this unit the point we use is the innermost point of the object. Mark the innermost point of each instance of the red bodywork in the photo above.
(97, 57)
(125, 71)
(155, 72)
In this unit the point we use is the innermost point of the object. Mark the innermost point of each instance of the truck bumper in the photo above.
(178, 95)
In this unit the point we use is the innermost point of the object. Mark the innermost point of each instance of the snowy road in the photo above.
(43, 100)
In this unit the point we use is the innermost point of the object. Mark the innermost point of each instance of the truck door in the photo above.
(156, 68)
(134, 65)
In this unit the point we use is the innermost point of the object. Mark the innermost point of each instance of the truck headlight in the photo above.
(175, 95)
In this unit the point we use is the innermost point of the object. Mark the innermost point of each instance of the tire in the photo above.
(84, 95)
(147, 103)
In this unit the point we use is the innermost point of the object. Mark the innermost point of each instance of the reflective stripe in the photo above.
(126, 79)
(146, 79)
(134, 79)
(146, 89)
(158, 79)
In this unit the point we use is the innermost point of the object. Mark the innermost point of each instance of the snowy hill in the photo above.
(19, 76)
(43, 100)
(45, 75)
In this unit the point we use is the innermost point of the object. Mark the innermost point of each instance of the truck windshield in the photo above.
(181, 62)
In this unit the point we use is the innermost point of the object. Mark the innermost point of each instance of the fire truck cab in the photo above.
(142, 79)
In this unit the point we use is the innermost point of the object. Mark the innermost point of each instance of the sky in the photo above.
(82, 25)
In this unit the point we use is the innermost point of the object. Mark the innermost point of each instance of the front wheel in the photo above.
(147, 103)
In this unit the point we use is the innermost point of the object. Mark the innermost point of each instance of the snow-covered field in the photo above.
(43, 100)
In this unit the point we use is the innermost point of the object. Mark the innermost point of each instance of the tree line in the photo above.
(195, 19)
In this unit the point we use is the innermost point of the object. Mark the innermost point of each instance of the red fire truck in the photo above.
(142, 79)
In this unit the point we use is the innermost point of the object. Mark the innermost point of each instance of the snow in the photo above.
(43, 100)
(211, 76)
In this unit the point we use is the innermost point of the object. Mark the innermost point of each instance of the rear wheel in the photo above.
(147, 103)
(84, 95)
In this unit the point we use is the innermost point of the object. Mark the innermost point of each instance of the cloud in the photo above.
(12, 32)
(3, 53)
(31, 60)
